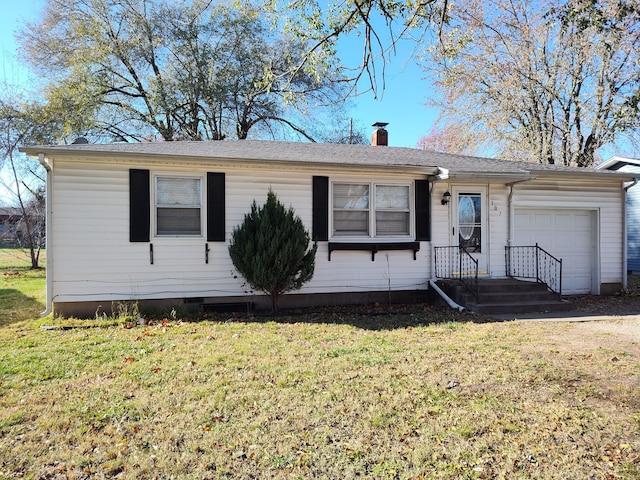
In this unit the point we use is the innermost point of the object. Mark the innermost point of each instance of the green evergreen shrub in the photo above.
(270, 249)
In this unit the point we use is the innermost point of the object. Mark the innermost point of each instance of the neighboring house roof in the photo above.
(326, 154)
(614, 163)
(9, 212)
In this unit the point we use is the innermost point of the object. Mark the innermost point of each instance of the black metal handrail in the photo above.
(534, 262)
(456, 263)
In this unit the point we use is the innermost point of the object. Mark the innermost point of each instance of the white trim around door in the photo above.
(470, 222)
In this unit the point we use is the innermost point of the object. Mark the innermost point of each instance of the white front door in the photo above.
(470, 222)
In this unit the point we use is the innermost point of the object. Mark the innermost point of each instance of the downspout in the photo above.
(46, 163)
(445, 297)
(625, 246)
(443, 174)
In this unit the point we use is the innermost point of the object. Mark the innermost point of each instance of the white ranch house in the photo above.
(151, 222)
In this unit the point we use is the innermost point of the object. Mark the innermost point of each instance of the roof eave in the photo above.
(119, 157)
(588, 174)
(499, 176)
(615, 160)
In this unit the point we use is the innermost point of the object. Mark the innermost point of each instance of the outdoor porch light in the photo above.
(446, 196)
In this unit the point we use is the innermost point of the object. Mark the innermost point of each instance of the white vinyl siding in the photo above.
(94, 260)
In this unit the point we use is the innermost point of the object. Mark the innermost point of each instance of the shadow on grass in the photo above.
(15, 306)
(366, 317)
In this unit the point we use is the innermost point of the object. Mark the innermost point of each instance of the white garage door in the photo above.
(565, 234)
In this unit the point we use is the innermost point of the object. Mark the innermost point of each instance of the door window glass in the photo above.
(470, 222)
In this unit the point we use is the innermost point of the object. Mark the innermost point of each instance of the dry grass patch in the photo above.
(334, 395)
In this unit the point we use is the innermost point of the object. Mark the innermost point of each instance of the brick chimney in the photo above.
(380, 137)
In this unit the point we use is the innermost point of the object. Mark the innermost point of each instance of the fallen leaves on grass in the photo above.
(339, 398)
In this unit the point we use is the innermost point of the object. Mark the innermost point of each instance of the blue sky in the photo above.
(401, 104)
(402, 101)
(14, 14)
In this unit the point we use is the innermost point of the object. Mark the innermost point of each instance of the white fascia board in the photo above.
(223, 162)
(613, 160)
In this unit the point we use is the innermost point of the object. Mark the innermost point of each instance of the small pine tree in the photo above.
(270, 249)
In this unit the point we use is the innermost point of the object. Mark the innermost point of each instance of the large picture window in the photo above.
(178, 206)
(371, 210)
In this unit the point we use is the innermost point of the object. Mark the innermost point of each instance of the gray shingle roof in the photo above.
(313, 153)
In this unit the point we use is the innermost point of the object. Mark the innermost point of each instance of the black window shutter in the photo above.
(139, 205)
(320, 224)
(423, 210)
(215, 207)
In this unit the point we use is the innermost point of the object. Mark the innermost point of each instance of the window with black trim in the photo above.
(178, 206)
(371, 210)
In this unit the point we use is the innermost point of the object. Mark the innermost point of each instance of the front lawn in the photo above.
(22, 294)
(413, 392)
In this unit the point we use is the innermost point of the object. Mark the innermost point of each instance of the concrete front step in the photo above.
(510, 297)
(506, 296)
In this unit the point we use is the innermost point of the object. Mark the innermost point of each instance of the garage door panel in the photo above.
(565, 234)
(522, 221)
(578, 267)
(562, 220)
(543, 221)
(583, 222)
(562, 239)
(581, 243)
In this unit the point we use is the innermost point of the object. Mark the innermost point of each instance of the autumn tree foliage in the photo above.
(196, 70)
(378, 24)
(22, 179)
(270, 249)
(549, 81)
(448, 139)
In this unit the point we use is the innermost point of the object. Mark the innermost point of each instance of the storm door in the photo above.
(469, 223)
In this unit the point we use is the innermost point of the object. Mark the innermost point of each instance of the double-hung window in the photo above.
(371, 210)
(392, 213)
(351, 202)
(178, 205)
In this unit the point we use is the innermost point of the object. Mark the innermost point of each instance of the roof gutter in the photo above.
(443, 174)
(633, 183)
(231, 160)
(44, 161)
(498, 176)
(586, 173)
